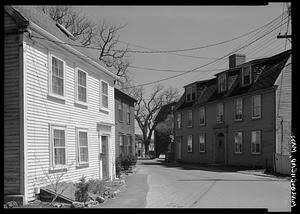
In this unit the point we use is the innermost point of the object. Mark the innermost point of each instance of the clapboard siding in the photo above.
(43, 110)
(12, 182)
(283, 110)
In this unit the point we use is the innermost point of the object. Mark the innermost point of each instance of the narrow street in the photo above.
(156, 185)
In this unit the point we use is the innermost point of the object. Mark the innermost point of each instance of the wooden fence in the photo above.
(282, 164)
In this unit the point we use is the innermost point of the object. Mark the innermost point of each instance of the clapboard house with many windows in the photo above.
(59, 112)
(240, 117)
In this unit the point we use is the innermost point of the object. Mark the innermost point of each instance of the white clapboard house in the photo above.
(58, 106)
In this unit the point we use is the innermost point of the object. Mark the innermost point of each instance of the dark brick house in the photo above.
(240, 117)
(124, 117)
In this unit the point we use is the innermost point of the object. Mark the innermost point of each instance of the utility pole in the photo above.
(286, 36)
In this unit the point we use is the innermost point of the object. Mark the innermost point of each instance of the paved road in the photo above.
(162, 186)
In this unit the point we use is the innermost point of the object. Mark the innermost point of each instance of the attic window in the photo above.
(246, 72)
(190, 93)
(222, 82)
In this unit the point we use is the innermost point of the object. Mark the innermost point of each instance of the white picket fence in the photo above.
(283, 164)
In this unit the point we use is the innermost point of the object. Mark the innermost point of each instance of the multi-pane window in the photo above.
(256, 106)
(238, 115)
(128, 114)
(256, 142)
(193, 92)
(190, 143)
(238, 142)
(222, 82)
(58, 145)
(121, 143)
(188, 94)
(202, 142)
(83, 152)
(81, 86)
(104, 94)
(57, 76)
(246, 71)
(178, 120)
(120, 111)
(220, 113)
(129, 137)
(190, 118)
(202, 115)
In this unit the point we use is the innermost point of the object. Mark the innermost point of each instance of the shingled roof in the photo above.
(266, 71)
(32, 14)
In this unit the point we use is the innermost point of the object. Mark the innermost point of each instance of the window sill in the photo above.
(81, 105)
(57, 97)
(238, 120)
(203, 124)
(238, 153)
(255, 153)
(256, 118)
(103, 110)
(83, 165)
(202, 152)
(57, 170)
(189, 127)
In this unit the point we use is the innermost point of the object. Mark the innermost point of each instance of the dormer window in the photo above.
(190, 93)
(246, 74)
(222, 82)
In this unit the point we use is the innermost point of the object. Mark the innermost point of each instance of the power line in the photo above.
(157, 81)
(165, 70)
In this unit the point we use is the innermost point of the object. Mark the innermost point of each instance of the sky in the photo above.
(184, 27)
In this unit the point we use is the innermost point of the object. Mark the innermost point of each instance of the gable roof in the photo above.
(269, 70)
(32, 15)
(119, 93)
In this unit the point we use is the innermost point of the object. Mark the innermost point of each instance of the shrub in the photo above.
(125, 161)
(81, 193)
(132, 159)
(96, 186)
(118, 167)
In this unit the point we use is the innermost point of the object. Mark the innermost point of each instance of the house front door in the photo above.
(220, 148)
(104, 157)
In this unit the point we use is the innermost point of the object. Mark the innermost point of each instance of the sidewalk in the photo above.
(134, 196)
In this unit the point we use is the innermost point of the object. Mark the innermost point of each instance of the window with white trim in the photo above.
(82, 146)
(256, 142)
(202, 142)
(57, 76)
(238, 115)
(202, 115)
(222, 82)
(129, 137)
(121, 143)
(238, 142)
(190, 143)
(246, 75)
(104, 94)
(120, 111)
(256, 106)
(190, 93)
(220, 113)
(179, 125)
(58, 157)
(81, 84)
(190, 118)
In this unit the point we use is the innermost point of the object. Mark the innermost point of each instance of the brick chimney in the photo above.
(236, 59)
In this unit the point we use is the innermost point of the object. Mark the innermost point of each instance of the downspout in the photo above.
(72, 50)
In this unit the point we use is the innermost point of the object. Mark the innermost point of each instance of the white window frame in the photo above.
(121, 143)
(188, 117)
(243, 75)
(79, 162)
(53, 127)
(253, 143)
(219, 113)
(202, 137)
(101, 94)
(236, 109)
(50, 93)
(179, 119)
(190, 143)
(128, 114)
(222, 79)
(252, 106)
(202, 109)
(238, 143)
(120, 104)
(77, 85)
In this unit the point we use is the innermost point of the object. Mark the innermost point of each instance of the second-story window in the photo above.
(246, 75)
(220, 113)
(190, 118)
(202, 115)
(238, 115)
(57, 75)
(128, 114)
(81, 86)
(179, 120)
(222, 82)
(256, 106)
(120, 110)
(104, 94)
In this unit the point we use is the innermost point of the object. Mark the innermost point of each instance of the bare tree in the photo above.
(105, 36)
(146, 109)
